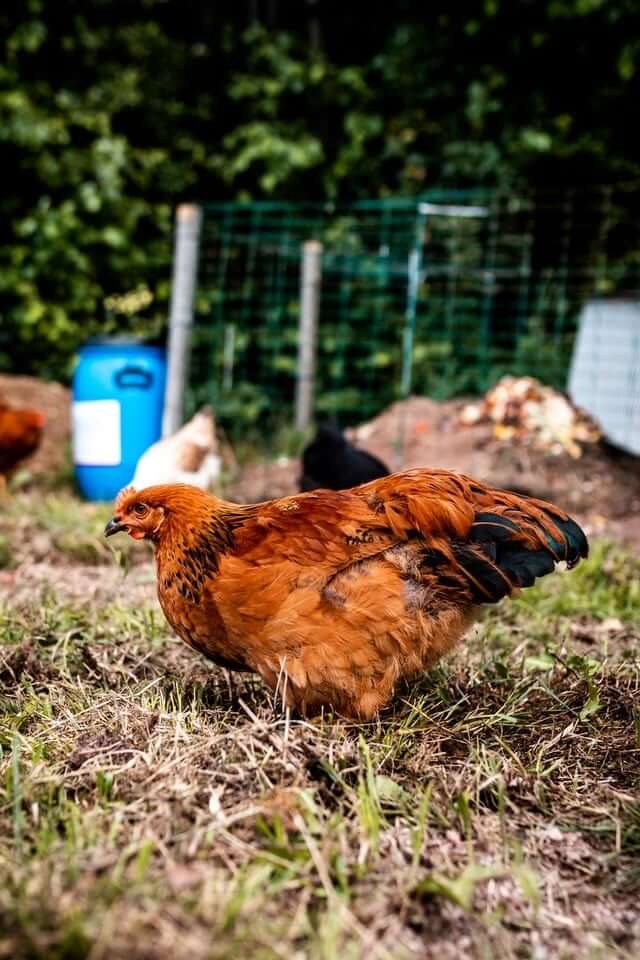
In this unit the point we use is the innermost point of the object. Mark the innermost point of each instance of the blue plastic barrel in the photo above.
(118, 395)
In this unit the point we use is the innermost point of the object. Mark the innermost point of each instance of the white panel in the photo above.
(96, 433)
(605, 370)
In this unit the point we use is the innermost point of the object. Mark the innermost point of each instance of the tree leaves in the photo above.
(111, 114)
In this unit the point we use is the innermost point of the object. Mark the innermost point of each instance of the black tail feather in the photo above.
(491, 527)
(488, 582)
(574, 544)
(496, 560)
(522, 566)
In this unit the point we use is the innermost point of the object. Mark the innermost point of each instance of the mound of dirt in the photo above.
(52, 399)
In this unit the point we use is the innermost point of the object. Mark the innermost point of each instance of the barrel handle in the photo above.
(132, 376)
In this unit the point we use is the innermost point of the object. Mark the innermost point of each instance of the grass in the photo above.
(57, 526)
(151, 806)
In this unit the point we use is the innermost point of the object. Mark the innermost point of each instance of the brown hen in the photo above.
(333, 596)
(20, 436)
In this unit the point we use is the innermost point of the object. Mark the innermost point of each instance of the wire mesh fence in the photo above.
(438, 295)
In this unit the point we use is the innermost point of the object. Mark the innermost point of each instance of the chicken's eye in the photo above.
(140, 509)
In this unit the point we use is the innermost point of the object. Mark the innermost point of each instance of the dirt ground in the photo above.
(153, 806)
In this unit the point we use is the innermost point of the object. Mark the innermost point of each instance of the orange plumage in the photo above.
(20, 435)
(333, 596)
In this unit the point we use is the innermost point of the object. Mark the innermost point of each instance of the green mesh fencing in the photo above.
(438, 295)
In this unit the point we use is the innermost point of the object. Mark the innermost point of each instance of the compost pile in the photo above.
(524, 410)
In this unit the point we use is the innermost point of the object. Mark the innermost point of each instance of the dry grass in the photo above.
(153, 807)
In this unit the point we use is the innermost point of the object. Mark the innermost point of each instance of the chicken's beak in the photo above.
(115, 525)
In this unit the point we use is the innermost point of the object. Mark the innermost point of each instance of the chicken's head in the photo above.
(135, 515)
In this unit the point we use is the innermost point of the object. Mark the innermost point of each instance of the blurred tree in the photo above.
(111, 112)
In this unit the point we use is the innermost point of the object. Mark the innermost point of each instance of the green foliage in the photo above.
(81, 221)
(111, 114)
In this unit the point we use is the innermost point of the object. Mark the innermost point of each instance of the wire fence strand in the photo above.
(440, 295)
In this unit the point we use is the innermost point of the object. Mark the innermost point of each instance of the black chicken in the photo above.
(332, 462)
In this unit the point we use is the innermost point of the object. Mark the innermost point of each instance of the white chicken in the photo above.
(189, 456)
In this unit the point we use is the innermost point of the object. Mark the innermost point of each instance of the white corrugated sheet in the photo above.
(605, 369)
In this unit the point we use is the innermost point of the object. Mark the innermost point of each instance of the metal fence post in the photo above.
(310, 282)
(414, 275)
(183, 288)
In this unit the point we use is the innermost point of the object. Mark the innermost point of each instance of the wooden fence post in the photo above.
(183, 289)
(310, 282)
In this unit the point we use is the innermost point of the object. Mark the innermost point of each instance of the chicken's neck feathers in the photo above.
(197, 539)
